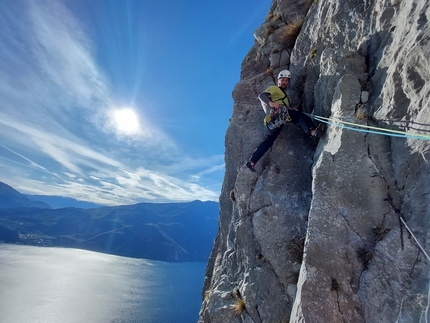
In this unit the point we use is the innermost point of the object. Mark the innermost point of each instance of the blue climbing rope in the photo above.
(378, 130)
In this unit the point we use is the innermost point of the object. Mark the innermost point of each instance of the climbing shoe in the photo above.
(250, 166)
(319, 131)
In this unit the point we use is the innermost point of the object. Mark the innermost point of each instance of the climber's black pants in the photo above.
(302, 119)
(265, 145)
(296, 117)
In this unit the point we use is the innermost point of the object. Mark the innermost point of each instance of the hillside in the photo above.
(58, 202)
(11, 198)
(335, 230)
(168, 232)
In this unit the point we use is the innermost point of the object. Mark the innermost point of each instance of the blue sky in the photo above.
(69, 67)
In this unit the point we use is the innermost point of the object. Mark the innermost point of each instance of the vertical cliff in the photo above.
(335, 230)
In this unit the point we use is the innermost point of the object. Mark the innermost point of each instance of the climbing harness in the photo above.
(380, 131)
(275, 120)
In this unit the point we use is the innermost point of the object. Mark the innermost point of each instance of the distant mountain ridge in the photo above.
(11, 198)
(172, 232)
(58, 202)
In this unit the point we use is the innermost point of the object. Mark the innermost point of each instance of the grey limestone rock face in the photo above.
(314, 235)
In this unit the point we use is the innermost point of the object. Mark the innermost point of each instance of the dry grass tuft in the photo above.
(362, 113)
(232, 195)
(273, 16)
(270, 29)
(239, 306)
(259, 257)
(365, 254)
(367, 251)
(295, 247)
(276, 16)
(291, 32)
(208, 294)
(313, 52)
(379, 233)
(269, 16)
(335, 286)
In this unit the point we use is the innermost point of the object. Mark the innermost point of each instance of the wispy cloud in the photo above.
(56, 131)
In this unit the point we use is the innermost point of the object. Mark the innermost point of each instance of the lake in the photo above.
(58, 285)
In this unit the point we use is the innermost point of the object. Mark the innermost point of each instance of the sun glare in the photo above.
(126, 121)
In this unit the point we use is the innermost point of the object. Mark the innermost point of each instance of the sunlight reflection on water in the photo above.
(69, 285)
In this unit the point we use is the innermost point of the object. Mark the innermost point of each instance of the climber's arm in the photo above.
(265, 97)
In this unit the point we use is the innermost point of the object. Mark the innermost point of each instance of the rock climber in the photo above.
(274, 99)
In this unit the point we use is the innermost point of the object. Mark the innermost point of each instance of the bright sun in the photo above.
(126, 121)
